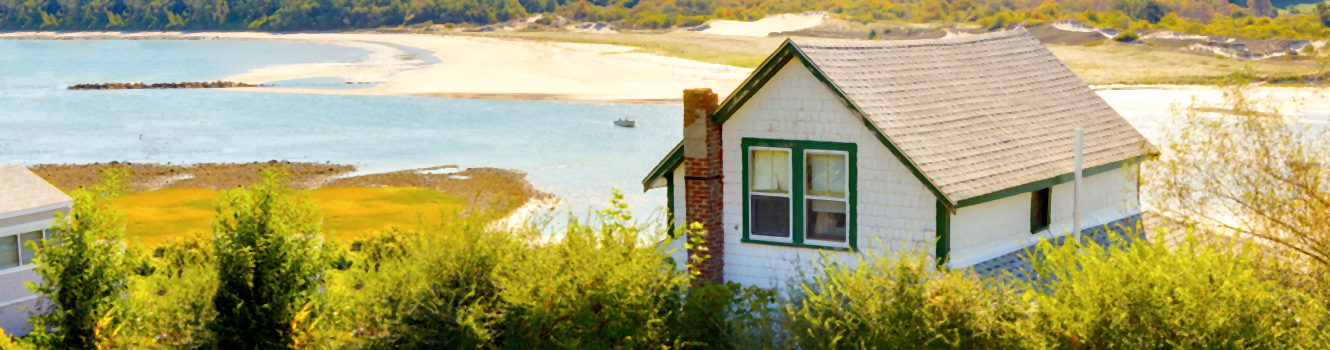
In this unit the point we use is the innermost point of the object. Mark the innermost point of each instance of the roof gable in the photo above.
(974, 117)
(21, 190)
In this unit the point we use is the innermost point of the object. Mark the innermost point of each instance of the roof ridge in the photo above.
(963, 38)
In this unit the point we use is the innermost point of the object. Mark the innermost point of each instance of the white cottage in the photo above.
(28, 205)
(961, 146)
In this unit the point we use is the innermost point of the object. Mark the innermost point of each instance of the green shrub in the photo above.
(1126, 36)
(173, 302)
(1149, 296)
(601, 285)
(900, 302)
(8, 343)
(84, 272)
(269, 262)
(442, 292)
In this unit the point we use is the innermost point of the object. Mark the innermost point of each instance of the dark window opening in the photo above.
(1039, 211)
(771, 216)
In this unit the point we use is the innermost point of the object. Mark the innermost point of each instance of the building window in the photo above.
(21, 249)
(1039, 210)
(799, 193)
(769, 192)
(9, 252)
(27, 245)
(827, 194)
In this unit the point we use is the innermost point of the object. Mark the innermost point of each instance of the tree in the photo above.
(1323, 12)
(1243, 169)
(1261, 8)
(270, 262)
(84, 271)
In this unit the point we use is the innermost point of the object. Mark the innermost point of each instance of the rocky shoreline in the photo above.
(181, 85)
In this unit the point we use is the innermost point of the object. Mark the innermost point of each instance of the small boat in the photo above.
(626, 122)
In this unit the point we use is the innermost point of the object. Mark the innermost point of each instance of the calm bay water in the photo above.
(569, 149)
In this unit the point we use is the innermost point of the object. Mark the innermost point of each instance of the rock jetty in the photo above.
(182, 85)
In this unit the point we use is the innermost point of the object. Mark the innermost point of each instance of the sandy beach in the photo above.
(476, 67)
(473, 67)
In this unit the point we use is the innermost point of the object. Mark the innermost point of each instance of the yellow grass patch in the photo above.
(348, 212)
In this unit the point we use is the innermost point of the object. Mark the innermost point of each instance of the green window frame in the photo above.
(798, 194)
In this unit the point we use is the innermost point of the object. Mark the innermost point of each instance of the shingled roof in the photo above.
(21, 190)
(972, 114)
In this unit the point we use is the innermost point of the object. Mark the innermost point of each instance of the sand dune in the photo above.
(765, 26)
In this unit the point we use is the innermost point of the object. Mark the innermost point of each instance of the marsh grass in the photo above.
(349, 212)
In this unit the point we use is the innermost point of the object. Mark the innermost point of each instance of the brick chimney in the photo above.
(702, 178)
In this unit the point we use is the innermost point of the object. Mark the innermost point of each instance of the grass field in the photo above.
(348, 212)
(1109, 63)
(1113, 63)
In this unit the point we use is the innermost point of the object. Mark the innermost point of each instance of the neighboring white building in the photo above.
(960, 146)
(28, 205)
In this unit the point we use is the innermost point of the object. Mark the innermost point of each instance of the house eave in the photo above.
(665, 166)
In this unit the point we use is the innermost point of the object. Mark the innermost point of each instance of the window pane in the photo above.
(8, 252)
(827, 220)
(826, 175)
(770, 171)
(771, 216)
(35, 237)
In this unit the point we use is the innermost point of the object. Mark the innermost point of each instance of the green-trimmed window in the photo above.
(1040, 215)
(799, 193)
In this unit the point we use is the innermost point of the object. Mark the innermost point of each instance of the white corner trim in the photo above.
(65, 204)
(19, 300)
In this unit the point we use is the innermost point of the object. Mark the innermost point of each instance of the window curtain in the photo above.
(826, 175)
(771, 171)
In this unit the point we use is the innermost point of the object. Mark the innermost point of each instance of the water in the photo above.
(569, 149)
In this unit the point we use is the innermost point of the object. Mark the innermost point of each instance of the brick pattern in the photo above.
(702, 181)
(895, 211)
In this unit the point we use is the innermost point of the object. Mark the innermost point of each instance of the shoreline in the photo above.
(471, 67)
(462, 66)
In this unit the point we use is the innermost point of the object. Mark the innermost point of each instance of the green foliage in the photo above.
(1192, 16)
(174, 301)
(1126, 36)
(441, 293)
(902, 302)
(602, 284)
(269, 262)
(84, 271)
(261, 281)
(1149, 296)
(8, 343)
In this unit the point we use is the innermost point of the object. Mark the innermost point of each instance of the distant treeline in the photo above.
(1252, 17)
